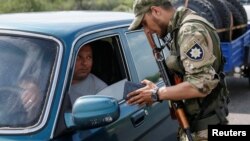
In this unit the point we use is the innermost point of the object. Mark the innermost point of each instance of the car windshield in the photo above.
(25, 74)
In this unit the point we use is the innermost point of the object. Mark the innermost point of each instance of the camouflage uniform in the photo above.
(196, 48)
(195, 55)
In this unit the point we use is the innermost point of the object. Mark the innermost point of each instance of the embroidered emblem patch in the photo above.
(196, 53)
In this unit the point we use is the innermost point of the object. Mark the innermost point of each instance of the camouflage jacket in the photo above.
(197, 50)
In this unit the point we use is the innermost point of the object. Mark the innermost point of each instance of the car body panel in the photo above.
(71, 29)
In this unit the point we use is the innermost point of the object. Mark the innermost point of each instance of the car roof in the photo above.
(63, 23)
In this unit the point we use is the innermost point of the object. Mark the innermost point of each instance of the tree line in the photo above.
(15, 6)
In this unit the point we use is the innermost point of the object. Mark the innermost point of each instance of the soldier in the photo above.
(195, 56)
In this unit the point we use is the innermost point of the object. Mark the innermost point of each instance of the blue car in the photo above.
(37, 59)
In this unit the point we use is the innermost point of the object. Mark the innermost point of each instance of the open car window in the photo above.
(104, 74)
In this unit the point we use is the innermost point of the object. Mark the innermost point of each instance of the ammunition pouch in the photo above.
(218, 117)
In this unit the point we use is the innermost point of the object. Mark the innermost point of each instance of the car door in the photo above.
(158, 122)
(125, 64)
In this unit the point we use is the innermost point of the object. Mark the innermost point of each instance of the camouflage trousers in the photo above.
(197, 136)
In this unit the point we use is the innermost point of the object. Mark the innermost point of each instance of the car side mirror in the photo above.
(93, 111)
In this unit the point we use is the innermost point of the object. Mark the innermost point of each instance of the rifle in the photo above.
(169, 79)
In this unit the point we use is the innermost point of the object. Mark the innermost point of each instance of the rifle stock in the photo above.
(177, 111)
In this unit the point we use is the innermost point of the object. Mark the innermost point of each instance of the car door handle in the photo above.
(138, 118)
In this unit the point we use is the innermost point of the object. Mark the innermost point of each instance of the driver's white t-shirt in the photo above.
(89, 86)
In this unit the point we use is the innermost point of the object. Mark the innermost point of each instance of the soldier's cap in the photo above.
(140, 8)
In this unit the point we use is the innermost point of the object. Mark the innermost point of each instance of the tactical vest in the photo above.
(212, 109)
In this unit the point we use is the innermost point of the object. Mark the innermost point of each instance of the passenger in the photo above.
(84, 82)
(20, 105)
(31, 97)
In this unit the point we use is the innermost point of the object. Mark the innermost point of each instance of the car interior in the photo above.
(105, 64)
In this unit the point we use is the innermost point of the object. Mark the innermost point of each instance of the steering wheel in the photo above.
(12, 112)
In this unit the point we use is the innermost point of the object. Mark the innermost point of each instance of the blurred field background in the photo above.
(16, 6)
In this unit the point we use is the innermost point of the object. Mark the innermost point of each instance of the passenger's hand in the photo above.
(142, 96)
(31, 96)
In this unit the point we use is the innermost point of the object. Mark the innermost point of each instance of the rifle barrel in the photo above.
(168, 79)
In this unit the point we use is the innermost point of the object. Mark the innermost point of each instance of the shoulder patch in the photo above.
(195, 53)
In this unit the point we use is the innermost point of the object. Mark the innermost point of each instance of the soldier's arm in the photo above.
(197, 57)
(184, 90)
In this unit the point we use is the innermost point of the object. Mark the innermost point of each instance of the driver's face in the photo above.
(84, 63)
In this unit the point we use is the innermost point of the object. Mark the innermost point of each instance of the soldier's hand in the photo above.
(142, 96)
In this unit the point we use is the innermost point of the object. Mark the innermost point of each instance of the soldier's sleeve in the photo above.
(196, 52)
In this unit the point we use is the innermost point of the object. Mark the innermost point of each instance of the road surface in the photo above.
(239, 107)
